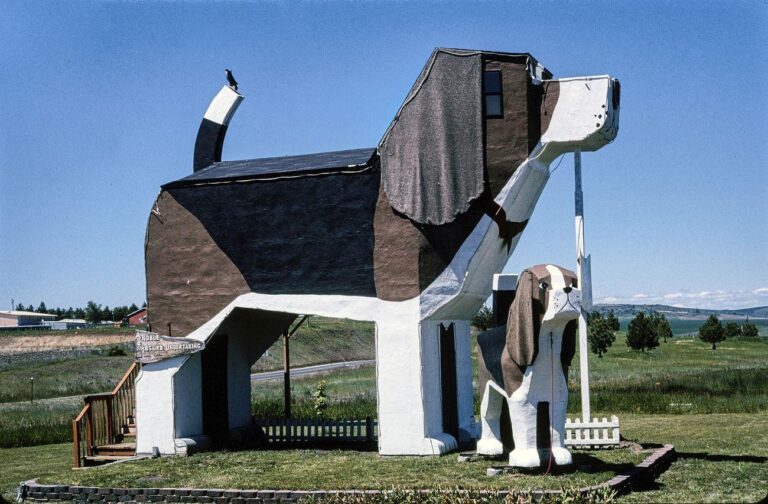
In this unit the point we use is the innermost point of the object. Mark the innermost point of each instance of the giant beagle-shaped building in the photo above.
(407, 234)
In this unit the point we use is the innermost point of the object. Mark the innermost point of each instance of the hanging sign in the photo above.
(152, 347)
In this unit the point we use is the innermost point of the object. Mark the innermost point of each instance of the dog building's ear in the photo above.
(524, 321)
(432, 153)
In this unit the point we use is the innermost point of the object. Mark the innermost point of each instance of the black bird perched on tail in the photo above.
(231, 79)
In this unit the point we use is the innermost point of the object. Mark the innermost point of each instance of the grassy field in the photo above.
(84, 375)
(321, 340)
(680, 377)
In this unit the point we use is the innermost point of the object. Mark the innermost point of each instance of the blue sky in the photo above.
(101, 102)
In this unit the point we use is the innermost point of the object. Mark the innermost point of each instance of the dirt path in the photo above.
(23, 344)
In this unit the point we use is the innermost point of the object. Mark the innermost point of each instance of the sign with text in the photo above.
(152, 347)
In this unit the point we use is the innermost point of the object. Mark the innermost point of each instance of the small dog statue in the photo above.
(526, 364)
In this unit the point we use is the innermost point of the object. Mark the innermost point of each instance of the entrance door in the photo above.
(448, 381)
(215, 399)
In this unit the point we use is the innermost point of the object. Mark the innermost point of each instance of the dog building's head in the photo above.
(546, 294)
(473, 117)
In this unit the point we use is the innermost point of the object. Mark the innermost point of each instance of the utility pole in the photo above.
(286, 375)
(583, 274)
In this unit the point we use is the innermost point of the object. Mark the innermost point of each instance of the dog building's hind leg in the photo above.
(490, 442)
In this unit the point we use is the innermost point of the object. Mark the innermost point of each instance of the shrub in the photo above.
(732, 330)
(116, 351)
(748, 329)
(661, 326)
(483, 318)
(321, 399)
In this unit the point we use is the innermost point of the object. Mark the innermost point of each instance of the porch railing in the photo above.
(105, 417)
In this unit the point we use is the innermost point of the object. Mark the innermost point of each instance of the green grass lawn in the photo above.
(723, 458)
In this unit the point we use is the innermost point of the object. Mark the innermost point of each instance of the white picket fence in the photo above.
(592, 434)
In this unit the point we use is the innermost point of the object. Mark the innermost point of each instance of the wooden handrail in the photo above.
(99, 421)
(124, 379)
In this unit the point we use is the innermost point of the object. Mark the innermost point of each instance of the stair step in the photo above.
(118, 449)
(92, 460)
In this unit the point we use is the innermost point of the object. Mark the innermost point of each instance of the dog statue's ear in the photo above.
(524, 322)
(568, 349)
(432, 153)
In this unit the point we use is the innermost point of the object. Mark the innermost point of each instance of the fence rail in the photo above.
(104, 417)
(315, 431)
(592, 434)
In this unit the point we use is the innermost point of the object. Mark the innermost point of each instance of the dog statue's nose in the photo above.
(567, 289)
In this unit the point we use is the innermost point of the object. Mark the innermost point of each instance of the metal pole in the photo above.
(286, 375)
(585, 289)
(31, 389)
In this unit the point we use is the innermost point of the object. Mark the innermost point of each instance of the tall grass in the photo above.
(41, 422)
(68, 377)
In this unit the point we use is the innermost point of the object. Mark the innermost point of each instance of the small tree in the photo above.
(641, 333)
(321, 399)
(19, 307)
(42, 308)
(661, 325)
(133, 308)
(712, 331)
(748, 329)
(483, 318)
(600, 335)
(732, 330)
(613, 321)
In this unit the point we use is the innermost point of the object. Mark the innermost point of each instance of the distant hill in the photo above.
(630, 310)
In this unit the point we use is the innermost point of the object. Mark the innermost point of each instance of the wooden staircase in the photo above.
(105, 429)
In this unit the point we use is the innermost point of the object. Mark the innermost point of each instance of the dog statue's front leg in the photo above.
(560, 454)
(523, 415)
(490, 418)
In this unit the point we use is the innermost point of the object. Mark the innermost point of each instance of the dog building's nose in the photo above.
(567, 289)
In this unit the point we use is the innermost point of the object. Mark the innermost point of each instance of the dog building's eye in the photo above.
(544, 285)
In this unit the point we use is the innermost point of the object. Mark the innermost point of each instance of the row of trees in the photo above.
(92, 312)
(644, 331)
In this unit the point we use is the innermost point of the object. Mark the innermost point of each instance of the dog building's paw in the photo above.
(528, 457)
(562, 456)
(489, 447)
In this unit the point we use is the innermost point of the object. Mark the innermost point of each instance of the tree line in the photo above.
(92, 312)
(644, 331)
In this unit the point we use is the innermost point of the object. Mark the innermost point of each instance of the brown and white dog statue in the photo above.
(525, 364)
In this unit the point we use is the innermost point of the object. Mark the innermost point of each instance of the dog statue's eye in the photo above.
(544, 285)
